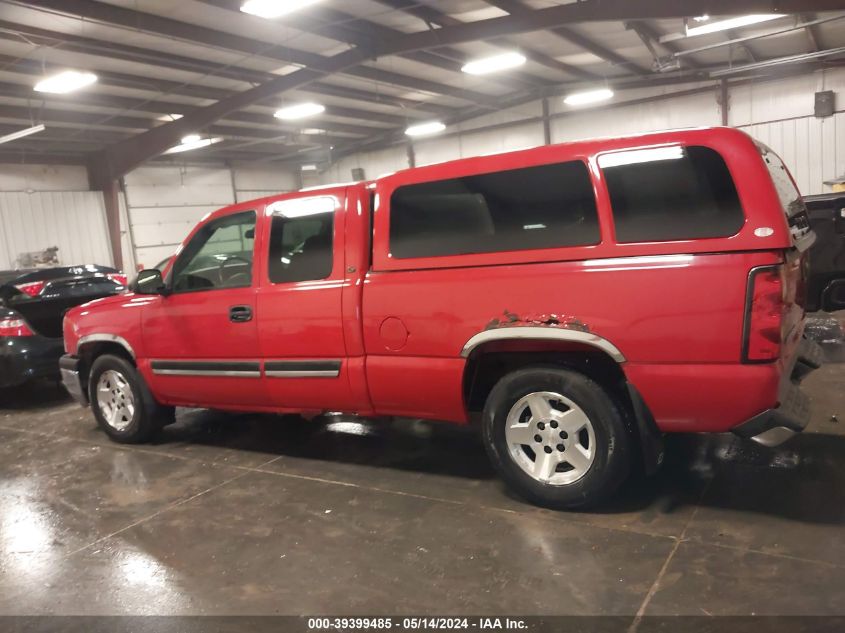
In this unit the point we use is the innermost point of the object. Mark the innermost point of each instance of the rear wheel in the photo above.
(122, 404)
(556, 437)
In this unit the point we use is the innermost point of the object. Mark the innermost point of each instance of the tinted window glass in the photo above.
(301, 247)
(535, 207)
(671, 193)
(790, 198)
(218, 256)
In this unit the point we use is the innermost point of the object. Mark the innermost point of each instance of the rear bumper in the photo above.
(25, 357)
(72, 379)
(775, 426)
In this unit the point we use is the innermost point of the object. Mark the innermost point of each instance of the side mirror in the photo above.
(149, 282)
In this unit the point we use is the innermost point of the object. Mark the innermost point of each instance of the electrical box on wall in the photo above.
(357, 173)
(825, 104)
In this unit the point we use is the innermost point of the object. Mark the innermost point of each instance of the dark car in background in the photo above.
(32, 306)
(826, 280)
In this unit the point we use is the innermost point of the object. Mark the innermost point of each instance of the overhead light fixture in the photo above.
(730, 23)
(169, 117)
(313, 130)
(425, 129)
(271, 9)
(637, 156)
(590, 96)
(309, 168)
(21, 133)
(192, 141)
(299, 111)
(493, 64)
(66, 81)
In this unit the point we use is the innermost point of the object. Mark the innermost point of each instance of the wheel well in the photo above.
(89, 352)
(486, 367)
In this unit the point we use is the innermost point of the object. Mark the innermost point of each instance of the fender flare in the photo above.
(105, 338)
(543, 333)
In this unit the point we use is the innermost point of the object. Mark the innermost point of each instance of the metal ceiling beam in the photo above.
(128, 123)
(120, 158)
(517, 7)
(396, 137)
(431, 16)
(132, 106)
(154, 24)
(811, 32)
(351, 29)
(100, 48)
(651, 40)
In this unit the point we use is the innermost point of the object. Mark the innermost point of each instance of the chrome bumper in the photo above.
(791, 416)
(71, 379)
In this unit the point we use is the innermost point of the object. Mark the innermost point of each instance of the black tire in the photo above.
(147, 416)
(611, 461)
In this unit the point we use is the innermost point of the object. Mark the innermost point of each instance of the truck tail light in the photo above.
(118, 278)
(763, 315)
(33, 289)
(14, 326)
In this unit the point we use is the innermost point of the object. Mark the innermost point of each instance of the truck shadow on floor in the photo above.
(801, 480)
(32, 396)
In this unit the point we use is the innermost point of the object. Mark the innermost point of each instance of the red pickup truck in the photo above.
(576, 301)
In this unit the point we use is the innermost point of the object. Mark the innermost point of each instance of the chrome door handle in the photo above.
(240, 314)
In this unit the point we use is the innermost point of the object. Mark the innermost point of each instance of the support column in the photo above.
(724, 101)
(412, 156)
(547, 123)
(100, 179)
(111, 197)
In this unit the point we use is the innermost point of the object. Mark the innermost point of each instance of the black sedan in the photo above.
(32, 306)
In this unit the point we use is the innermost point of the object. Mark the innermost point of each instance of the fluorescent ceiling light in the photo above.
(309, 168)
(169, 117)
(732, 23)
(21, 133)
(494, 64)
(424, 129)
(313, 130)
(636, 156)
(65, 82)
(299, 111)
(274, 8)
(590, 96)
(192, 141)
(271, 9)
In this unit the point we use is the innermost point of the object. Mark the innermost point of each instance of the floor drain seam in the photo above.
(155, 514)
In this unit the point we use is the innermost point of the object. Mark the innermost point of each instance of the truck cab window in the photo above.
(218, 256)
(301, 247)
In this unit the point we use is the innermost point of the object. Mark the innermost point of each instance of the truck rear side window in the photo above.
(671, 193)
(548, 206)
(301, 248)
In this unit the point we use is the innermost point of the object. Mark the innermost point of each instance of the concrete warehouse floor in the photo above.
(260, 515)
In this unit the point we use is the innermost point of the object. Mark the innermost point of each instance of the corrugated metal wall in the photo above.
(75, 221)
(814, 149)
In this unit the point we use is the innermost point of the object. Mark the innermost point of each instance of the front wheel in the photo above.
(122, 404)
(556, 437)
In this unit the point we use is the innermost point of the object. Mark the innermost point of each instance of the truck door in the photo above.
(201, 340)
(301, 328)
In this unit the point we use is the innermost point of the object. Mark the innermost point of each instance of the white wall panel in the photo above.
(74, 221)
(166, 202)
(778, 113)
(43, 178)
